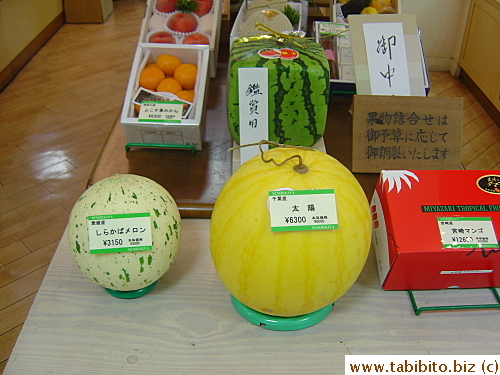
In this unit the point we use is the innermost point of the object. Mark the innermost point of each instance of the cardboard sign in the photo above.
(387, 55)
(404, 132)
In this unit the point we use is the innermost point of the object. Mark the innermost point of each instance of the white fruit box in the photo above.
(341, 63)
(336, 14)
(187, 131)
(339, 51)
(208, 25)
(300, 6)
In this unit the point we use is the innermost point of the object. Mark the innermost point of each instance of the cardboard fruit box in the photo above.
(87, 11)
(437, 229)
(189, 130)
(207, 25)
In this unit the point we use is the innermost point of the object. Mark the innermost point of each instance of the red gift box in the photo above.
(437, 229)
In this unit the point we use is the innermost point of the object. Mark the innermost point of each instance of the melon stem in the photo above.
(299, 168)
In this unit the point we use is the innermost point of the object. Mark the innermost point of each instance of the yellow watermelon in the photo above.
(291, 273)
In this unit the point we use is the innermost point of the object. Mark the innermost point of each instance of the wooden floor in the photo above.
(54, 118)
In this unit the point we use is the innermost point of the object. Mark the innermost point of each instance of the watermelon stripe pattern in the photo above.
(298, 89)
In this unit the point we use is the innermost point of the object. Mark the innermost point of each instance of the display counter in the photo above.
(187, 325)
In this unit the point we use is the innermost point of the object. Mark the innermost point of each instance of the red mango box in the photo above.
(437, 229)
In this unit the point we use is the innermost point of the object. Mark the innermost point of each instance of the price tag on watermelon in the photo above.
(119, 233)
(467, 232)
(161, 111)
(294, 210)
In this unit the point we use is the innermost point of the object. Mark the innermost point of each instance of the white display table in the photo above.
(187, 325)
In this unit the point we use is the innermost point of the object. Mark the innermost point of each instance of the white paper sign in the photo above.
(386, 54)
(467, 232)
(253, 109)
(119, 233)
(293, 210)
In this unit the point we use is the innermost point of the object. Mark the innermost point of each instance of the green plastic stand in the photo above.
(131, 294)
(128, 146)
(278, 323)
(418, 310)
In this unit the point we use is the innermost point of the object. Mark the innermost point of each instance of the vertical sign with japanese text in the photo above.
(253, 109)
(386, 53)
(405, 132)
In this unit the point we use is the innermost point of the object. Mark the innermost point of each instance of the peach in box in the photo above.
(204, 7)
(195, 38)
(166, 6)
(162, 37)
(182, 22)
(209, 25)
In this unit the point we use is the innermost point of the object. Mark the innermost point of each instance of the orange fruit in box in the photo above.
(150, 77)
(186, 75)
(380, 4)
(187, 95)
(169, 85)
(168, 63)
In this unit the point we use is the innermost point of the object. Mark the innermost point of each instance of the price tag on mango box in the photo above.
(161, 112)
(294, 210)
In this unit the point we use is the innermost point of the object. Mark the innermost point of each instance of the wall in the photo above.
(442, 25)
(20, 22)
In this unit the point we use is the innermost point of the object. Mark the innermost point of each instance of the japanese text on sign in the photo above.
(253, 109)
(161, 112)
(401, 135)
(406, 132)
(387, 62)
(119, 233)
(293, 210)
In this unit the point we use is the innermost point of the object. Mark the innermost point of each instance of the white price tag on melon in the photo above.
(294, 210)
(467, 232)
(161, 111)
(119, 233)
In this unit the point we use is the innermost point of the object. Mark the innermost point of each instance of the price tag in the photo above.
(119, 233)
(294, 210)
(331, 28)
(161, 111)
(467, 232)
